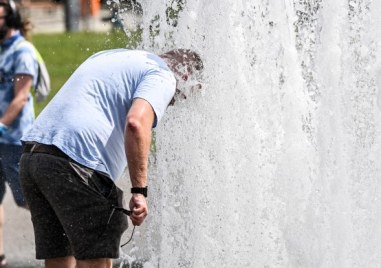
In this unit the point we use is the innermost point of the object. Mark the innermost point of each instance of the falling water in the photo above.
(275, 162)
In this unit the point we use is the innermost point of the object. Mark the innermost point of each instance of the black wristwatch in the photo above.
(140, 190)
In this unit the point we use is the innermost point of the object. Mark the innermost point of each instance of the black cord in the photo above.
(133, 230)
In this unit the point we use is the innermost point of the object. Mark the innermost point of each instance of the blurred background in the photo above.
(75, 15)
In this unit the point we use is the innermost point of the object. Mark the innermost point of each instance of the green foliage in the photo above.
(64, 52)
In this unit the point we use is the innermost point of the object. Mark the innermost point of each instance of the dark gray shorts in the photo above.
(72, 208)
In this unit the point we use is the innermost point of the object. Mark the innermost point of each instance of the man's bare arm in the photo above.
(137, 143)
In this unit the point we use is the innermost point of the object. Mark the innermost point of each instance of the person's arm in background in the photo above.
(22, 84)
(139, 123)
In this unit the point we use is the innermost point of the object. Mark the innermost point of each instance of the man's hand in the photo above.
(3, 129)
(138, 206)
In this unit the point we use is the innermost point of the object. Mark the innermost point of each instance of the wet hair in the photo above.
(13, 18)
(184, 63)
(184, 58)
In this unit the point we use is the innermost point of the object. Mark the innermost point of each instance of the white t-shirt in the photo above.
(87, 117)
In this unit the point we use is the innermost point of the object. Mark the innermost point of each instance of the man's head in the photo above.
(186, 64)
(10, 18)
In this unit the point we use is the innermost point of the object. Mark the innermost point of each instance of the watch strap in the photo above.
(140, 190)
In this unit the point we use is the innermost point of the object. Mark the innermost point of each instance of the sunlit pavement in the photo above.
(18, 235)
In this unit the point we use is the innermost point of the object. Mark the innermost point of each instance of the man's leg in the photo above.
(51, 240)
(11, 155)
(82, 202)
(3, 261)
(1, 228)
(65, 262)
(70, 262)
(95, 263)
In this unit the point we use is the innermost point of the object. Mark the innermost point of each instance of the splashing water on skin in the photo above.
(275, 161)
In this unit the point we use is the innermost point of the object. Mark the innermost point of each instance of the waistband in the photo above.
(35, 147)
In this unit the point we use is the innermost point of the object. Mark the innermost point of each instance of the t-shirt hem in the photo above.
(96, 166)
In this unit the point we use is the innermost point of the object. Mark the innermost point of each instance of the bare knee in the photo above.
(64, 262)
(1, 215)
(95, 263)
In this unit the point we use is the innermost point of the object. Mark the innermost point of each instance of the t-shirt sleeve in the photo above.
(25, 62)
(157, 87)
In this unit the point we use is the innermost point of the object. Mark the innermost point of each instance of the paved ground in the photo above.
(18, 236)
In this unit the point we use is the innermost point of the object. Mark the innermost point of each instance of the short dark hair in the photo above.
(183, 62)
(13, 17)
(185, 57)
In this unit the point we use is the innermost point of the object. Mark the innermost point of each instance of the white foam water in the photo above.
(275, 163)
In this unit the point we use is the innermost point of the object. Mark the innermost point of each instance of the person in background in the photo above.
(18, 74)
(90, 10)
(98, 122)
